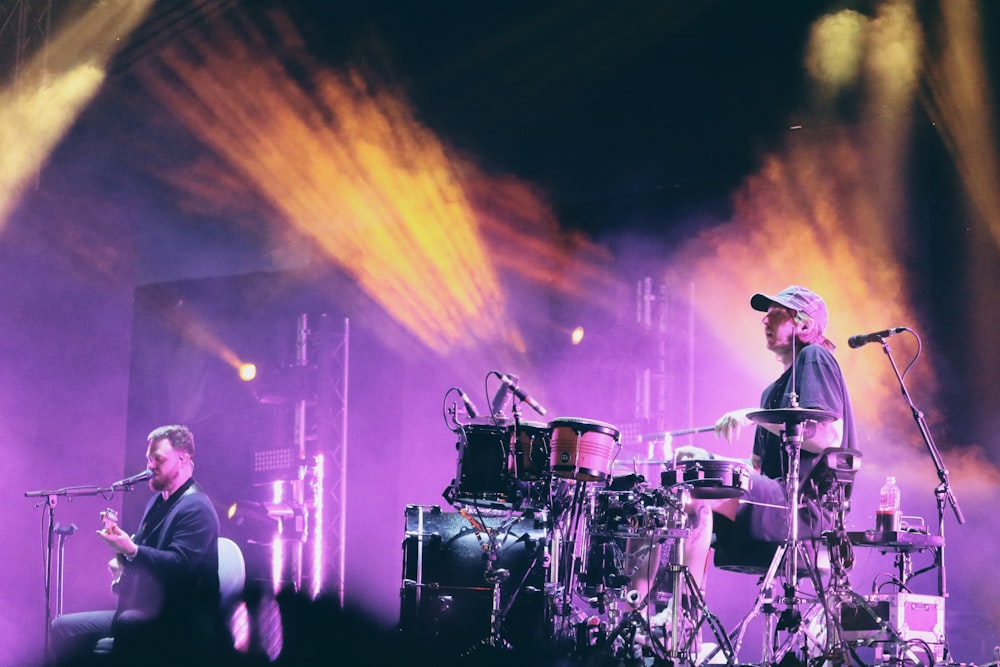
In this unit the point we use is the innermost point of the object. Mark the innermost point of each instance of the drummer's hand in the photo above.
(691, 452)
(731, 424)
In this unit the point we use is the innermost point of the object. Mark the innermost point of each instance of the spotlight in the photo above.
(577, 336)
(280, 384)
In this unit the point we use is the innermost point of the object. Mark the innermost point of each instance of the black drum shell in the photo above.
(445, 598)
(484, 477)
(531, 451)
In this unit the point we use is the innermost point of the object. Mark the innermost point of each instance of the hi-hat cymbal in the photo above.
(790, 416)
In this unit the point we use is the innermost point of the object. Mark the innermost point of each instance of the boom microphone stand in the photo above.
(943, 491)
(52, 529)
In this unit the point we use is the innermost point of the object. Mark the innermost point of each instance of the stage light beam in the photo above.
(421, 229)
(39, 106)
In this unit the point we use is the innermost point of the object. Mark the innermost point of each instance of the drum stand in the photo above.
(568, 533)
(680, 636)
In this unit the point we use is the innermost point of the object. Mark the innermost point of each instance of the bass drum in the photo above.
(446, 593)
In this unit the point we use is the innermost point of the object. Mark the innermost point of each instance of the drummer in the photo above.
(794, 321)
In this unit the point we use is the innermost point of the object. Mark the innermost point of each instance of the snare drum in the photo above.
(709, 478)
(583, 449)
(483, 477)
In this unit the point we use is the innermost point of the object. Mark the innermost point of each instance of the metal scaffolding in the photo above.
(309, 478)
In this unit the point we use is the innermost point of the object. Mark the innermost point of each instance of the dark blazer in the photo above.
(175, 572)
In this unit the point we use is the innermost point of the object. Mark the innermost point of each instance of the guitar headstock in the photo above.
(109, 518)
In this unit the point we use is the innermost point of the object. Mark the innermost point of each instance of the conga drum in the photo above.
(583, 449)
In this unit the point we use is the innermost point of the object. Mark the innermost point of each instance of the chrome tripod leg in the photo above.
(700, 614)
(764, 603)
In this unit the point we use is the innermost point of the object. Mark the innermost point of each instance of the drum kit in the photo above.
(548, 550)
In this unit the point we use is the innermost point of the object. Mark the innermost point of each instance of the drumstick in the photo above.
(672, 434)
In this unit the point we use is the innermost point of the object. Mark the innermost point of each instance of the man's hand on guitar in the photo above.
(116, 538)
(109, 519)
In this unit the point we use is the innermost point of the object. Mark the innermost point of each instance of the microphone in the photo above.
(522, 394)
(470, 407)
(864, 339)
(134, 479)
(507, 384)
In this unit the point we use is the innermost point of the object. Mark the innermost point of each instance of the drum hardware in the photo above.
(581, 451)
(819, 629)
(680, 637)
(561, 473)
(783, 613)
(570, 526)
(629, 627)
(496, 576)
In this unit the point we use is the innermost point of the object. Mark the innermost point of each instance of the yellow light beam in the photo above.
(41, 104)
(342, 159)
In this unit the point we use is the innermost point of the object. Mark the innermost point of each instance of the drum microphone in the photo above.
(522, 394)
(503, 395)
(864, 339)
(134, 479)
(470, 407)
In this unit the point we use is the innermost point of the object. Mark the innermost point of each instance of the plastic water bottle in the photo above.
(888, 515)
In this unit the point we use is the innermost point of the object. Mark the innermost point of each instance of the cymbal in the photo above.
(790, 416)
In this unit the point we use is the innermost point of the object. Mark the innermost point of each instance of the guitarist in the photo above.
(167, 572)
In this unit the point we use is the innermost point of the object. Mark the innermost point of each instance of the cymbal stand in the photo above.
(826, 609)
(635, 620)
(788, 554)
(683, 583)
